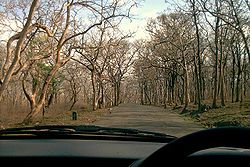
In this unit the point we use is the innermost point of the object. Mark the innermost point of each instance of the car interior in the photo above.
(227, 145)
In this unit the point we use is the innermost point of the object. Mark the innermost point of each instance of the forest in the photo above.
(69, 55)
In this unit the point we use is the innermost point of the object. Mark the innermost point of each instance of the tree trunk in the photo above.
(197, 54)
(186, 88)
(245, 80)
(101, 101)
(36, 107)
(115, 94)
(233, 73)
(238, 75)
(222, 93)
(33, 113)
(222, 69)
(197, 97)
(238, 88)
(146, 95)
(118, 92)
(18, 48)
(74, 102)
(141, 93)
(216, 41)
(93, 81)
(186, 84)
(165, 91)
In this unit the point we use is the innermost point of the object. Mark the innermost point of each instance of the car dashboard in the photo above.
(230, 145)
(31, 152)
(74, 151)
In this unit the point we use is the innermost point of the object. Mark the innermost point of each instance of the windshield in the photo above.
(173, 67)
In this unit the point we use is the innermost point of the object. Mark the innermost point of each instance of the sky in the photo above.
(142, 13)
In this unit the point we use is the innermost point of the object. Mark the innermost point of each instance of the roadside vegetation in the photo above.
(233, 114)
(84, 117)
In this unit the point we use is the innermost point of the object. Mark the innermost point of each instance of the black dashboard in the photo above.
(64, 151)
(45, 152)
(230, 145)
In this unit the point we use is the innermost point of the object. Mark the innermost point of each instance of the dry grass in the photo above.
(56, 116)
(9, 116)
(233, 114)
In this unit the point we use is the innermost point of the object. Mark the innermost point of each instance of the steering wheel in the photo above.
(178, 150)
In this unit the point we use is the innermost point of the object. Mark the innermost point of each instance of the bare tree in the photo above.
(66, 41)
(118, 65)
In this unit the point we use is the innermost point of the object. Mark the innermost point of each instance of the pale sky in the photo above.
(146, 9)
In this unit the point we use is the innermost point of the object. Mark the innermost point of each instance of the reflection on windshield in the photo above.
(183, 68)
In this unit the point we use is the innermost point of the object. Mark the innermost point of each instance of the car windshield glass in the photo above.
(152, 67)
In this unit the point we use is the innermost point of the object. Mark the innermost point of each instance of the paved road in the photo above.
(148, 118)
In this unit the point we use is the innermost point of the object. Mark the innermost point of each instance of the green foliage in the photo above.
(44, 68)
(35, 82)
(56, 82)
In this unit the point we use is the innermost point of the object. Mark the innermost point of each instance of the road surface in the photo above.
(148, 118)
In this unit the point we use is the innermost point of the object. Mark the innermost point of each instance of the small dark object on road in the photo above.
(74, 115)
